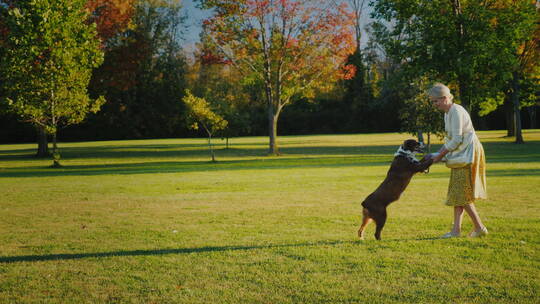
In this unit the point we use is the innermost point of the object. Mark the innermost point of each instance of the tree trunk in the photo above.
(532, 116)
(463, 96)
(517, 113)
(420, 136)
(43, 145)
(272, 125)
(509, 114)
(56, 155)
(211, 148)
(460, 34)
(429, 142)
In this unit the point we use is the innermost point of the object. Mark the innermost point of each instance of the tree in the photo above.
(112, 17)
(201, 115)
(419, 115)
(358, 96)
(456, 42)
(520, 44)
(358, 9)
(43, 149)
(222, 87)
(526, 57)
(46, 63)
(143, 75)
(292, 47)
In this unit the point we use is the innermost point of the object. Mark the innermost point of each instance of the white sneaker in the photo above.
(450, 234)
(478, 233)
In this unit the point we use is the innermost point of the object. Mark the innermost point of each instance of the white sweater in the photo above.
(460, 136)
(457, 124)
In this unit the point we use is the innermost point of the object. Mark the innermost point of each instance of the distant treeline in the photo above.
(303, 117)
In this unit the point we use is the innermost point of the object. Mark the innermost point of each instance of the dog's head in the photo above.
(412, 146)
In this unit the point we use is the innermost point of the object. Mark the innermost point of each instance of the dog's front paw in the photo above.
(426, 157)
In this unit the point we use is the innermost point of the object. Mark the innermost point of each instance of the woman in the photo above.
(464, 154)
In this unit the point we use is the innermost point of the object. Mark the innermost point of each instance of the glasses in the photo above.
(437, 99)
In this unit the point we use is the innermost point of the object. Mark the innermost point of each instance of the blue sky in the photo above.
(195, 17)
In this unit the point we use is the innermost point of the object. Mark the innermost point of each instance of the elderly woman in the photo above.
(464, 154)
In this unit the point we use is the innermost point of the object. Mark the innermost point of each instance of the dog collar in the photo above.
(408, 154)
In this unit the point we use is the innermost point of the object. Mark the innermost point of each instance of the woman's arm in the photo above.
(442, 152)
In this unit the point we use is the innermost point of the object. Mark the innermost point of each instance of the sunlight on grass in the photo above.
(146, 221)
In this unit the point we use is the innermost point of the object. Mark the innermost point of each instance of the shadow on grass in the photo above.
(76, 256)
(186, 167)
(170, 159)
(195, 150)
(195, 166)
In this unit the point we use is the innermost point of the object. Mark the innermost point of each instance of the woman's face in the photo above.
(440, 103)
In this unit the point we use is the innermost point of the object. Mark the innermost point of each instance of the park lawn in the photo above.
(153, 221)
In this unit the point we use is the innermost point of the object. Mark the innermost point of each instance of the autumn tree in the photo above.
(112, 17)
(47, 59)
(292, 47)
(358, 7)
(142, 76)
(358, 98)
(200, 114)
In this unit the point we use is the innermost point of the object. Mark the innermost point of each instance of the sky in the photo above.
(195, 18)
(194, 21)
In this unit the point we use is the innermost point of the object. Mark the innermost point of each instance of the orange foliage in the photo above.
(347, 72)
(208, 57)
(307, 41)
(111, 16)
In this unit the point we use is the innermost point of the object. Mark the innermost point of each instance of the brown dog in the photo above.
(403, 167)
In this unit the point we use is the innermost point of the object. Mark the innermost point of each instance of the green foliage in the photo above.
(490, 104)
(47, 60)
(419, 114)
(358, 95)
(468, 43)
(143, 76)
(200, 114)
(224, 89)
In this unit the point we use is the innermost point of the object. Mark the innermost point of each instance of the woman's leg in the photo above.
(477, 222)
(458, 218)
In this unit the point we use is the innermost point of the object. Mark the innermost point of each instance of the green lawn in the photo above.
(153, 221)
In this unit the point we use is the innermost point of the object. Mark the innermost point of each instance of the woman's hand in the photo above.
(437, 157)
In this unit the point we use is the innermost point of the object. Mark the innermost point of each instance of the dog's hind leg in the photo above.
(380, 220)
(366, 219)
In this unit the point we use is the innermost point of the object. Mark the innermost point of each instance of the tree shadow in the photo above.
(172, 158)
(76, 256)
(193, 166)
(206, 249)
(196, 150)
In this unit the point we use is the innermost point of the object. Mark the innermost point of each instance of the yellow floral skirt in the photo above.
(468, 183)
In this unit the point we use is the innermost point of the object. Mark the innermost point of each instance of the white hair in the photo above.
(440, 90)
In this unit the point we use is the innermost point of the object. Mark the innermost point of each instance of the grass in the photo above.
(154, 221)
